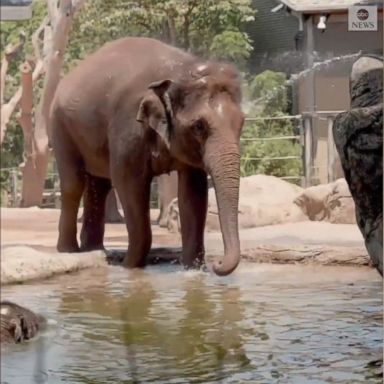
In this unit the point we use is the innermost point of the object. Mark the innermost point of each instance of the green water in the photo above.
(263, 324)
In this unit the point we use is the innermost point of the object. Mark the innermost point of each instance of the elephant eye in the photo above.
(199, 127)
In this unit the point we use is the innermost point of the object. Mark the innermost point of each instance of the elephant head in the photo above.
(199, 119)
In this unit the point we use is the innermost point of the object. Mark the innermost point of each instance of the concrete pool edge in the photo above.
(21, 264)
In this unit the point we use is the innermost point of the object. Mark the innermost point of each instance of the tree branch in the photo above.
(36, 37)
(53, 11)
(191, 6)
(8, 108)
(10, 53)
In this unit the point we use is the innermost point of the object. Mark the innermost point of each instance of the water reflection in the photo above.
(164, 325)
(193, 330)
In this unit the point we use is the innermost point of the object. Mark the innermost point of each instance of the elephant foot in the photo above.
(194, 262)
(92, 247)
(67, 248)
(131, 262)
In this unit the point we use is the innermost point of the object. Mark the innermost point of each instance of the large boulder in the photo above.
(358, 136)
(328, 202)
(264, 200)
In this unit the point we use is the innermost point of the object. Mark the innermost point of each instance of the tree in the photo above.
(210, 28)
(54, 29)
(61, 16)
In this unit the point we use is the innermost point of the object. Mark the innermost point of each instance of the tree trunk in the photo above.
(167, 190)
(62, 22)
(29, 192)
(112, 214)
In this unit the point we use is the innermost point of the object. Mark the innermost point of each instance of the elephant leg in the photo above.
(95, 195)
(134, 194)
(193, 203)
(72, 179)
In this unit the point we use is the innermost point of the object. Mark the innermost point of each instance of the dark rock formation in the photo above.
(358, 136)
(18, 323)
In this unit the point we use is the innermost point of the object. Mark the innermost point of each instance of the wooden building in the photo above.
(313, 35)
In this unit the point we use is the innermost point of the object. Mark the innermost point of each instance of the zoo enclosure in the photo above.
(303, 134)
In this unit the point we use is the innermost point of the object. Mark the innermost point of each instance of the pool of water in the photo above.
(263, 324)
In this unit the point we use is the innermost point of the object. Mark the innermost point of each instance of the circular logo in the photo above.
(362, 14)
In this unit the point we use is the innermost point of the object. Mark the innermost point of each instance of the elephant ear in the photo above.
(155, 110)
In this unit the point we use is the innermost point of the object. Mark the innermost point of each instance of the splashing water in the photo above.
(248, 105)
(320, 65)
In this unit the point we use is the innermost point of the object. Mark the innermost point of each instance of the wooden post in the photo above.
(309, 61)
(331, 151)
(302, 144)
(309, 87)
(308, 145)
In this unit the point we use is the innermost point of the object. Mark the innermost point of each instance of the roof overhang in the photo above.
(15, 10)
(323, 6)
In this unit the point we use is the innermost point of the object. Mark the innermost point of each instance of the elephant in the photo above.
(133, 110)
(18, 323)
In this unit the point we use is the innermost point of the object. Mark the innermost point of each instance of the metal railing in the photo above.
(299, 138)
(14, 179)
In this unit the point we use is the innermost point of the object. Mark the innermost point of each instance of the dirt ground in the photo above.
(303, 242)
(38, 227)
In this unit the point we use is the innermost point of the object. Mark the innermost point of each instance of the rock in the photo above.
(18, 323)
(21, 263)
(358, 136)
(264, 200)
(328, 202)
(312, 201)
(339, 204)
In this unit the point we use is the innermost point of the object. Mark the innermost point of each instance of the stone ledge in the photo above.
(22, 264)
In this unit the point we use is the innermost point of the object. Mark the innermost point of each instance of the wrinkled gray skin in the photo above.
(18, 324)
(135, 109)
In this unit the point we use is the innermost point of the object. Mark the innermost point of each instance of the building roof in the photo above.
(314, 6)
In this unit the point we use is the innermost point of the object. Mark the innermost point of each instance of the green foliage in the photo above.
(232, 46)
(270, 89)
(212, 28)
(10, 32)
(209, 28)
(271, 93)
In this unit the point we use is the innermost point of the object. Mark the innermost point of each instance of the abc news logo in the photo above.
(362, 18)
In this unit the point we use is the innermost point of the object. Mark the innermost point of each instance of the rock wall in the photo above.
(358, 136)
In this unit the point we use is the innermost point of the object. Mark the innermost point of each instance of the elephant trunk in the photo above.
(223, 163)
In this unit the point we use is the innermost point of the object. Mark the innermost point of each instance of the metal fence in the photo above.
(296, 135)
(13, 178)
